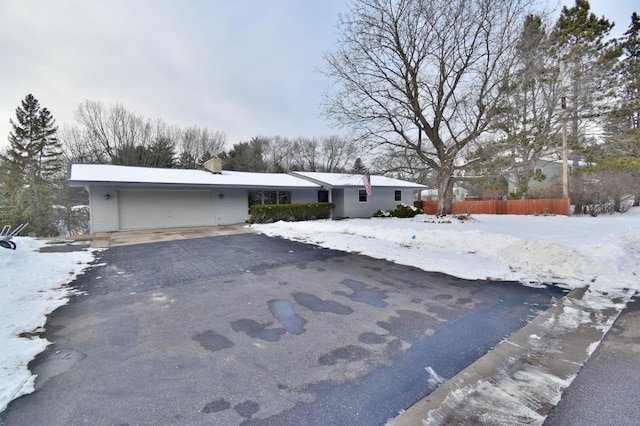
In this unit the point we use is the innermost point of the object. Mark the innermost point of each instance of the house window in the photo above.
(362, 196)
(284, 197)
(397, 195)
(255, 197)
(269, 197)
(323, 196)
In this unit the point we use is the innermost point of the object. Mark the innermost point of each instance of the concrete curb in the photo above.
(523, 378)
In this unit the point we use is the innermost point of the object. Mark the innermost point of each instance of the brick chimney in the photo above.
(214, 165)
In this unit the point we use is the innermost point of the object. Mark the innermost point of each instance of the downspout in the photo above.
(329, 189)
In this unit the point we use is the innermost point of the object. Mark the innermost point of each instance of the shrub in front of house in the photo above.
(268, 213)
(401, 210)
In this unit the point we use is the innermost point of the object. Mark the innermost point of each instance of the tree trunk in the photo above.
(445, 192)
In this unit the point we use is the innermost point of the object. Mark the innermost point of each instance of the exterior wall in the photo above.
(553, 173)
(408, 196)
(551, 169)
(104, 213)
(232, 208)
(382, 198)
(338, 199)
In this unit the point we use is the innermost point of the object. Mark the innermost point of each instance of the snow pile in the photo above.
(34, 284)
(573, 251)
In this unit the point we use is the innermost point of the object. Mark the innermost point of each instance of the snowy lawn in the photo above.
(34, 284)
(603, 252)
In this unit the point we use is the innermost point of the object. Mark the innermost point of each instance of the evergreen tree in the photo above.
(580, 42)
(358, 167)
(527, 115)
(162, 153)
(626, 118)
(32, 165)
(621, 152)
(247, 156)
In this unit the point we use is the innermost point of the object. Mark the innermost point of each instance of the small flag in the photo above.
(367, 184)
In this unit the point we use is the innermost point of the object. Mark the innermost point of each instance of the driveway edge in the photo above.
(522, 379)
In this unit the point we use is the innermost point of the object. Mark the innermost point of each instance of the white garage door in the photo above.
(164, 209)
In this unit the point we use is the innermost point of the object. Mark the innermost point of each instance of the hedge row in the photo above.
(267, 213)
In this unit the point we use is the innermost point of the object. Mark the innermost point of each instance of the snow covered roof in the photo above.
(83, 174)
(347, 179)
(106, 174)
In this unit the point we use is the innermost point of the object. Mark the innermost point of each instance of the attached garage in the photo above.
(150, 209)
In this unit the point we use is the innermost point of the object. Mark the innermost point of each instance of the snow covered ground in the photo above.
(603, 252)
(33, 285)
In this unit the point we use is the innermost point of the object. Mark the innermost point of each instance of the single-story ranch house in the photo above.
(126, 198)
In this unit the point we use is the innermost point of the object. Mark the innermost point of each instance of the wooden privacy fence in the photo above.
(559, 206)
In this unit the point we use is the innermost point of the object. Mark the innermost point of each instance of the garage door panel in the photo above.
(164, 209)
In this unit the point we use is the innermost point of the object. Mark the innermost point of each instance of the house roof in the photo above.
(348, 179)
(104, 174)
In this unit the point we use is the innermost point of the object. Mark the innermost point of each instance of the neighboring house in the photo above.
(550, 169)
(125, 198)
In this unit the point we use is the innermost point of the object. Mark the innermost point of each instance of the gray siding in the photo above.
(338, 200)
(104, 213)
(232, 208)
(382, 198)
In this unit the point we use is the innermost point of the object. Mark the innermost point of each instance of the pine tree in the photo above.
(621, 152)
(630, 70)
(358, 167)
(32, 167)
(581, 44)
(526, 116)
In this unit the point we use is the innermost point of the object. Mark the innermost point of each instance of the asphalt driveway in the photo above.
(247, 329)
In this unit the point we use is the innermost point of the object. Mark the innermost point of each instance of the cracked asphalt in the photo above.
(247, 329)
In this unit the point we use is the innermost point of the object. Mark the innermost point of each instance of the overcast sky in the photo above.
(245, 67)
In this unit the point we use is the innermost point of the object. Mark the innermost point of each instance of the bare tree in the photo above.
(79, 147)
(114, 135)
(305, 154)
(196, 145)
(403, 163)
(279, 155)
(424, 75)
(337, 153)
(113, 129)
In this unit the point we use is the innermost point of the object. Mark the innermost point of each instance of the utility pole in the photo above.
(565, 150)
